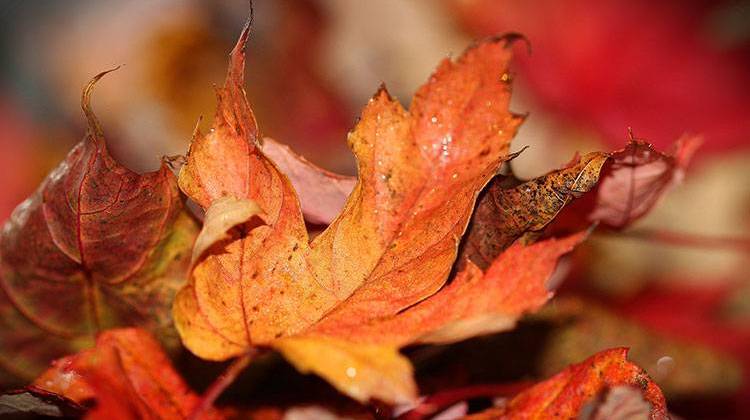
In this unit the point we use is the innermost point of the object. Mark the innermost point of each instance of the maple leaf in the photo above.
(565, 394)
(374, 280)
(96, 246)
(128, 375)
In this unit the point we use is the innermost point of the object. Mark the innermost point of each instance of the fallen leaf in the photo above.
(638, 177)
(128, 375)
(322, 194)
(567, 393)
(389, 252)
(96, 246)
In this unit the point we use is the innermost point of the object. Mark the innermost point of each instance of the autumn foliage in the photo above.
(105, 272)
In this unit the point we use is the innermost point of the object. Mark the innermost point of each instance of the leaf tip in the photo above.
(237, 56)
(93, 122)
(511, 38)
(245, 34)
(382, 93)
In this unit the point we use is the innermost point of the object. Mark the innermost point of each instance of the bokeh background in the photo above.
(675, 287)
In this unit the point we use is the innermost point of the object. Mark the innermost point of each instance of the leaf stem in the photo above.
(222, 383)
(444, 399)
(690, 240)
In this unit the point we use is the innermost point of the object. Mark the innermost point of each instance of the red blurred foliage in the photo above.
(698, 319)
(283, 81)
(609, 64)
(17, 158)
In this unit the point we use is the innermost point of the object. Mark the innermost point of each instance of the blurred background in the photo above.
(675, 287)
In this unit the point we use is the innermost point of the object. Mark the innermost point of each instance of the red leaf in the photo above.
(565, 394)
(675, 73)
(96, 246)
(129, 377)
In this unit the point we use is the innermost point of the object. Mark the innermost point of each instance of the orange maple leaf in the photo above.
(375, 279)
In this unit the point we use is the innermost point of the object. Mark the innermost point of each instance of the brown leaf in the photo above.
(96, 246)
(567, 393)
(618, 188)
(128, 376)
(509, 208)
(389, 251)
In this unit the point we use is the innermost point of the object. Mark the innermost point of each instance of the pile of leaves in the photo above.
(105, 272)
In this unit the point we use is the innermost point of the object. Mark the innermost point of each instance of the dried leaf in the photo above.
(565, 394)
(638, 177)
(392, 246)
(129, 377)
(96, 246)
(321, 193)
(623, 187)
(509, 208)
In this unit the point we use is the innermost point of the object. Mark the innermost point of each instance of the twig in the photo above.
(690, 240)
(221, 383)
(442, 400)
